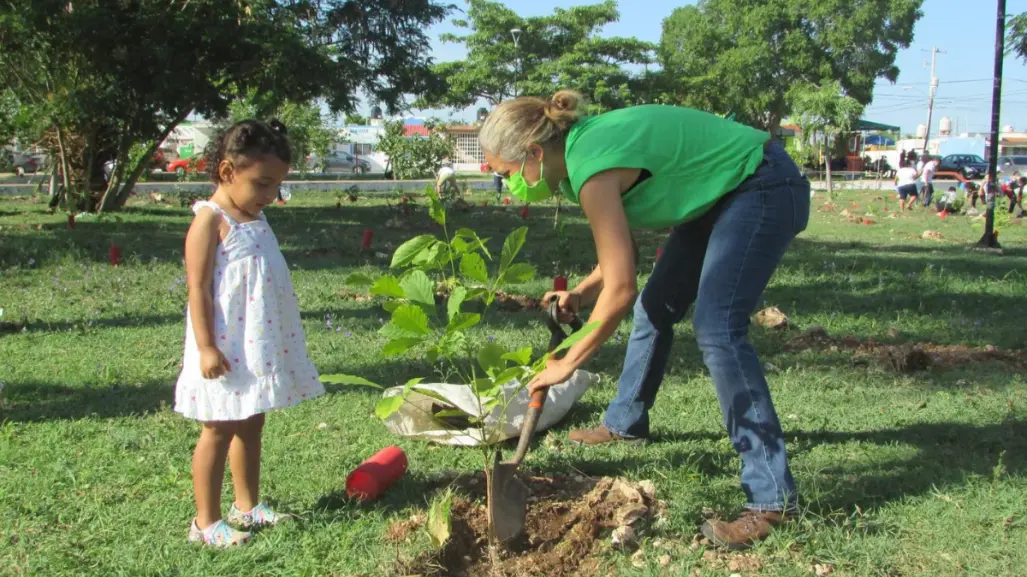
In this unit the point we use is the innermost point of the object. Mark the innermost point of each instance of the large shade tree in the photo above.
(109, 75)
(743, 56)
(560, 50)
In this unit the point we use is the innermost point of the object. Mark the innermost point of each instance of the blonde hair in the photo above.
(511, 129)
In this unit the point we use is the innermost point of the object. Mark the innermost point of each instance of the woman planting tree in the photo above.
(735, 201)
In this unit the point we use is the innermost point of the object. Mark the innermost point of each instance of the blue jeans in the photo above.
(721, 262)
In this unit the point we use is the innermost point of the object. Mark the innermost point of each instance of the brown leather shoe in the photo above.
(600, 436)
(743, 532)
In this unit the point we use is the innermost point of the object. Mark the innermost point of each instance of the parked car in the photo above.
(338, 162)
(23, 163)
(187, 165)
(1007, 165)
(969, 165)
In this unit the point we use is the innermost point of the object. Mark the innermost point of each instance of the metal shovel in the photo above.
(508, 495)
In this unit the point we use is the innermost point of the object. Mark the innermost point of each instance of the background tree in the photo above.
(356, 120)
(743, 56)
(308, 130)
(826, 112)
(110, 74)
(562, 50)
(413, 157)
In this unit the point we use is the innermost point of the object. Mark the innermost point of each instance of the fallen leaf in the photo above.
(772, 318)
(624, 538)
(439, 520)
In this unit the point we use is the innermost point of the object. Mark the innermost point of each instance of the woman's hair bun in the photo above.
(278, 127)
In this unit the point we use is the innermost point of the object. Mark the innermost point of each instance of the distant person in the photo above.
(445, 181)
(245, 351)
(905, 185)
(947, 202)
(930, 166)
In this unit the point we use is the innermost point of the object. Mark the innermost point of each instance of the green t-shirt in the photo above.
(695, 158)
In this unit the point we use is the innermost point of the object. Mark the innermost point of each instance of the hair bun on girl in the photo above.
(278, 127)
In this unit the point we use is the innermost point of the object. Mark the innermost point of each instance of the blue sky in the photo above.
(964, 29)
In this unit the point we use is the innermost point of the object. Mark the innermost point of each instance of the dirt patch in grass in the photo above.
(906, 358)
(569, 524)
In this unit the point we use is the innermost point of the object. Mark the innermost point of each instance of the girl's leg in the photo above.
(244, 457)
(209, 470)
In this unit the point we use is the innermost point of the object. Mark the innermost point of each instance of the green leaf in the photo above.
(456, 300)
(408, 251)
(410, 318)
(387, 406)
(509, 375)
(490, 358)
(518, 272)
(359, 279)
(472, 266)
(463, 321)
(397, 347)
(450, 413)
(576, 337)
(479, 243)
(418, 288)
(430, 256)
(484, 387)
(435, 207)
(520, 357)
(453, 345)
(388, 286)
(410, 384)
(511, 246)
(438, 525)
(477, 293)
(391, 306)
(432, 355)
(348, 380)
(460, 246)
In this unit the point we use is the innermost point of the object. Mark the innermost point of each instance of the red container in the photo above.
(506, 201)
(375, 475)
(71, 221)
(365, 243)
(115, 255)
(524, 212)
(943, 214)
(559, 283)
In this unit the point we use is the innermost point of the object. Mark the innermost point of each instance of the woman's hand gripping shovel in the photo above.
(508, 495)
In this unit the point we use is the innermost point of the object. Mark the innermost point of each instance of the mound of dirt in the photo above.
(568, 526)
(908, 358)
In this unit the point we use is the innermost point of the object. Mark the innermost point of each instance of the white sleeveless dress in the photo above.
(256, 326)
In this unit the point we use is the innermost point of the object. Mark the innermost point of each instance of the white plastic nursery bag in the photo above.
(416, 418)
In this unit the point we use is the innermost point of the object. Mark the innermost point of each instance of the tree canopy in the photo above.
(109, 74)
(561, 50)
(743, 56)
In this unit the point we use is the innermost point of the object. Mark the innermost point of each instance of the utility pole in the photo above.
(934, 88)
(516, 33)
(989, 240)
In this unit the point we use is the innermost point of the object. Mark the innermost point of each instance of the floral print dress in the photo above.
(256, 326)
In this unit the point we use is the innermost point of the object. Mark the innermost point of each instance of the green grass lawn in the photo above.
(900, 473)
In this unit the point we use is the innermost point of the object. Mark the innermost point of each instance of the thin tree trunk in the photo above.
(112, 202)
(827, 157)
(64, 166)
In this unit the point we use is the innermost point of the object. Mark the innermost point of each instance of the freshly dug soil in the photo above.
(908, 358)
(568, 526)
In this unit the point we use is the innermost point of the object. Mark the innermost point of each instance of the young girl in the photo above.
(245, 350)
(905, 184)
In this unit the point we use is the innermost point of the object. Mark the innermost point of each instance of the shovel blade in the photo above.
(508, 501)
